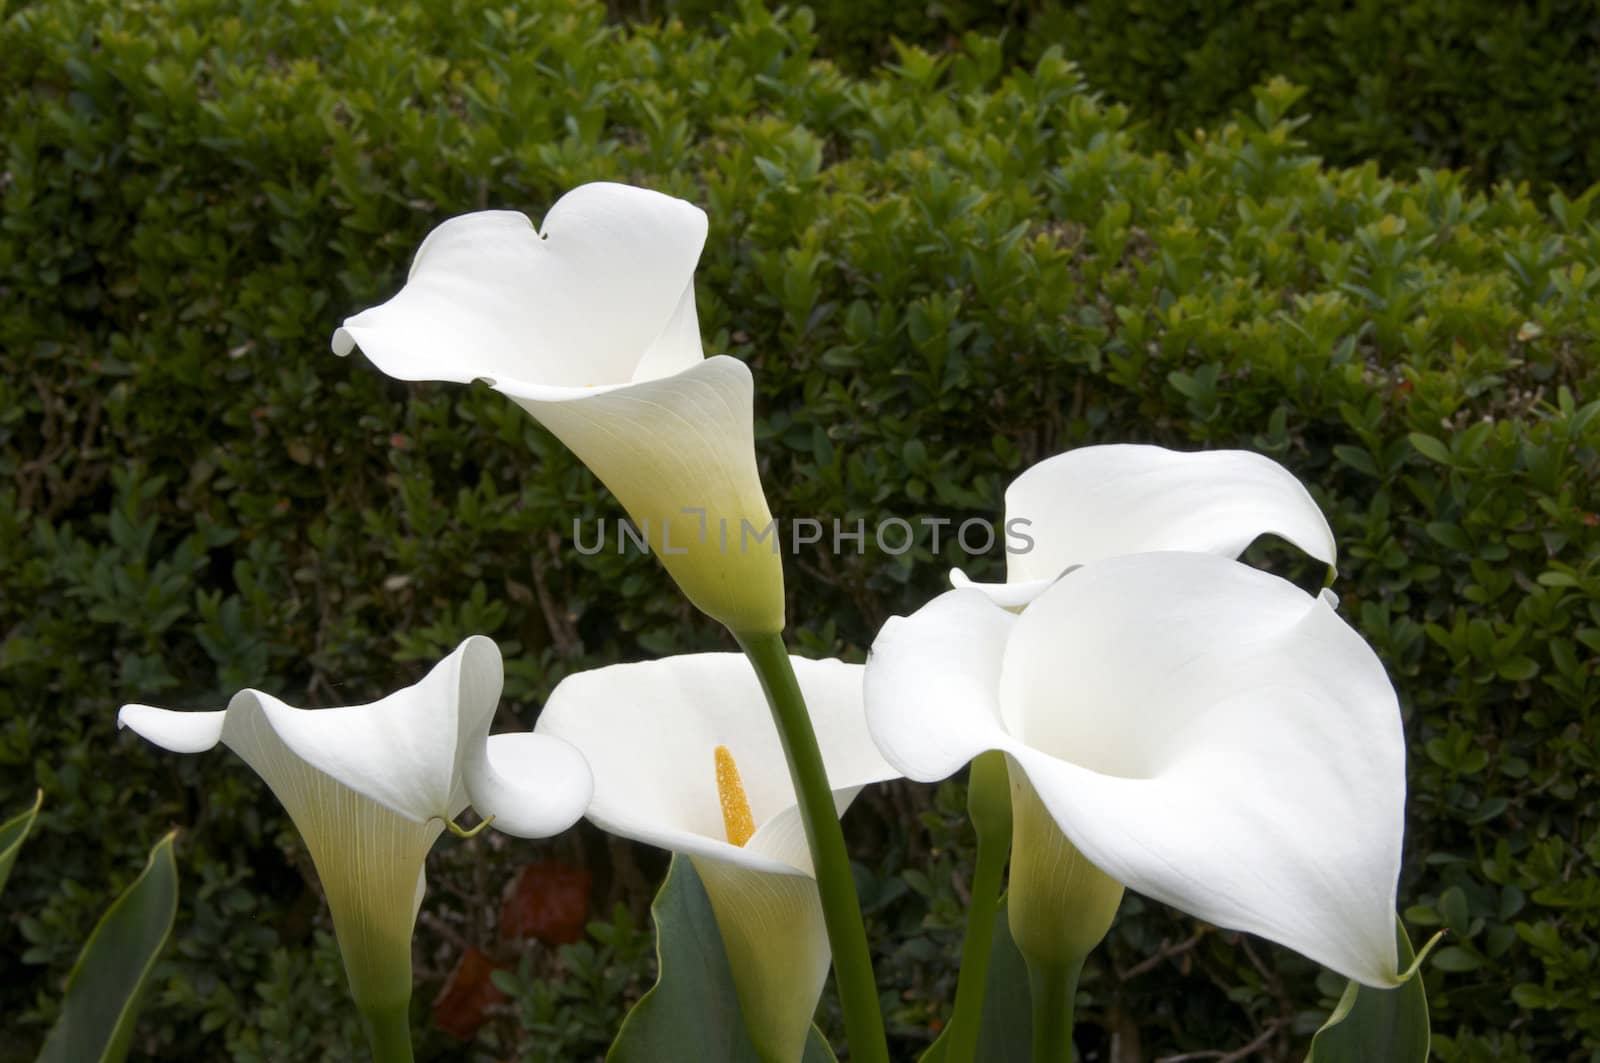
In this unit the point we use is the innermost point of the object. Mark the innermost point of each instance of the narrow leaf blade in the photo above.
(1005, 1034)
(692, 1012)
(13, 832)
(113, 970)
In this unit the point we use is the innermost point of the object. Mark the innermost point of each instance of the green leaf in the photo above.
(103, 990)
(1005, 1034)
(1431, 448)
(1456, 960)
(1518, 668)
(692, 1012)
(12, 834)
(1386, 1024)
(1356, 458)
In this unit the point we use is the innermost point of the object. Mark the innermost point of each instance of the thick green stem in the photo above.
(989, 806)
(841, 911)
(388, 1032)
(1055, 989)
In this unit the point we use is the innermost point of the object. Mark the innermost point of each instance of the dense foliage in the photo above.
(940, 271)
(1505, 90)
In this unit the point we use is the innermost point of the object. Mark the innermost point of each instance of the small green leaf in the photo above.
(692, 1012)
(1431, 448)
(1356, 458)
(12, 834)
(1449, 535)
(103, 990)
(1518, 668)
(1370, 1024)
(1005, 1034)
(1456, 960)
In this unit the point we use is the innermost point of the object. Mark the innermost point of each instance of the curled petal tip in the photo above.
(531, 785)
(1010, 595)
(343, 343)
(180, 732)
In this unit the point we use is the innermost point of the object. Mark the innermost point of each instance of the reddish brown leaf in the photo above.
(548, 901)
(467, 995)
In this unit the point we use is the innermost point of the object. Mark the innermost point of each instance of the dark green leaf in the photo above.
(692, 1012)
(1456, 960)
(1006, 1033)
(1431, 448)
(103, 990)
(12, 834)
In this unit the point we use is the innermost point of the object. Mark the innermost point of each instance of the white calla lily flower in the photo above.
(589, 324)
(1202, 732)
(685, 757)
(1126, 498)
(370, 788)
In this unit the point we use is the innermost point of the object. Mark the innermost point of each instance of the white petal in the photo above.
(369, 858)
(368, 787)
(677, 347)
(534, 785)
(679, 454)
(577, 304)
(403, 751)
(659, 831)
(777, 946)
(650, 730)
(932, 684)
(1097, 502)
(1006, 595)
(181, 732)
(1213, 737)
(782, 838)
(481, 674)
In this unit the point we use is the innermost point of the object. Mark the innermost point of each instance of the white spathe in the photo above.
(1204, 733)
(650, 731)
(589, 324)
(370, 787)
(1126, 498)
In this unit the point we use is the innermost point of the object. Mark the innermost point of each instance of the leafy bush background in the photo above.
(1502, 89)
(941, 270)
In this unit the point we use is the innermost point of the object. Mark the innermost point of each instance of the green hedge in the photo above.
(1504, 89)
(940, 273)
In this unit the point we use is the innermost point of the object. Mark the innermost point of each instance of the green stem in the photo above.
(1054, 989)
(989, 807)
(388, 1032)
(841, 911)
